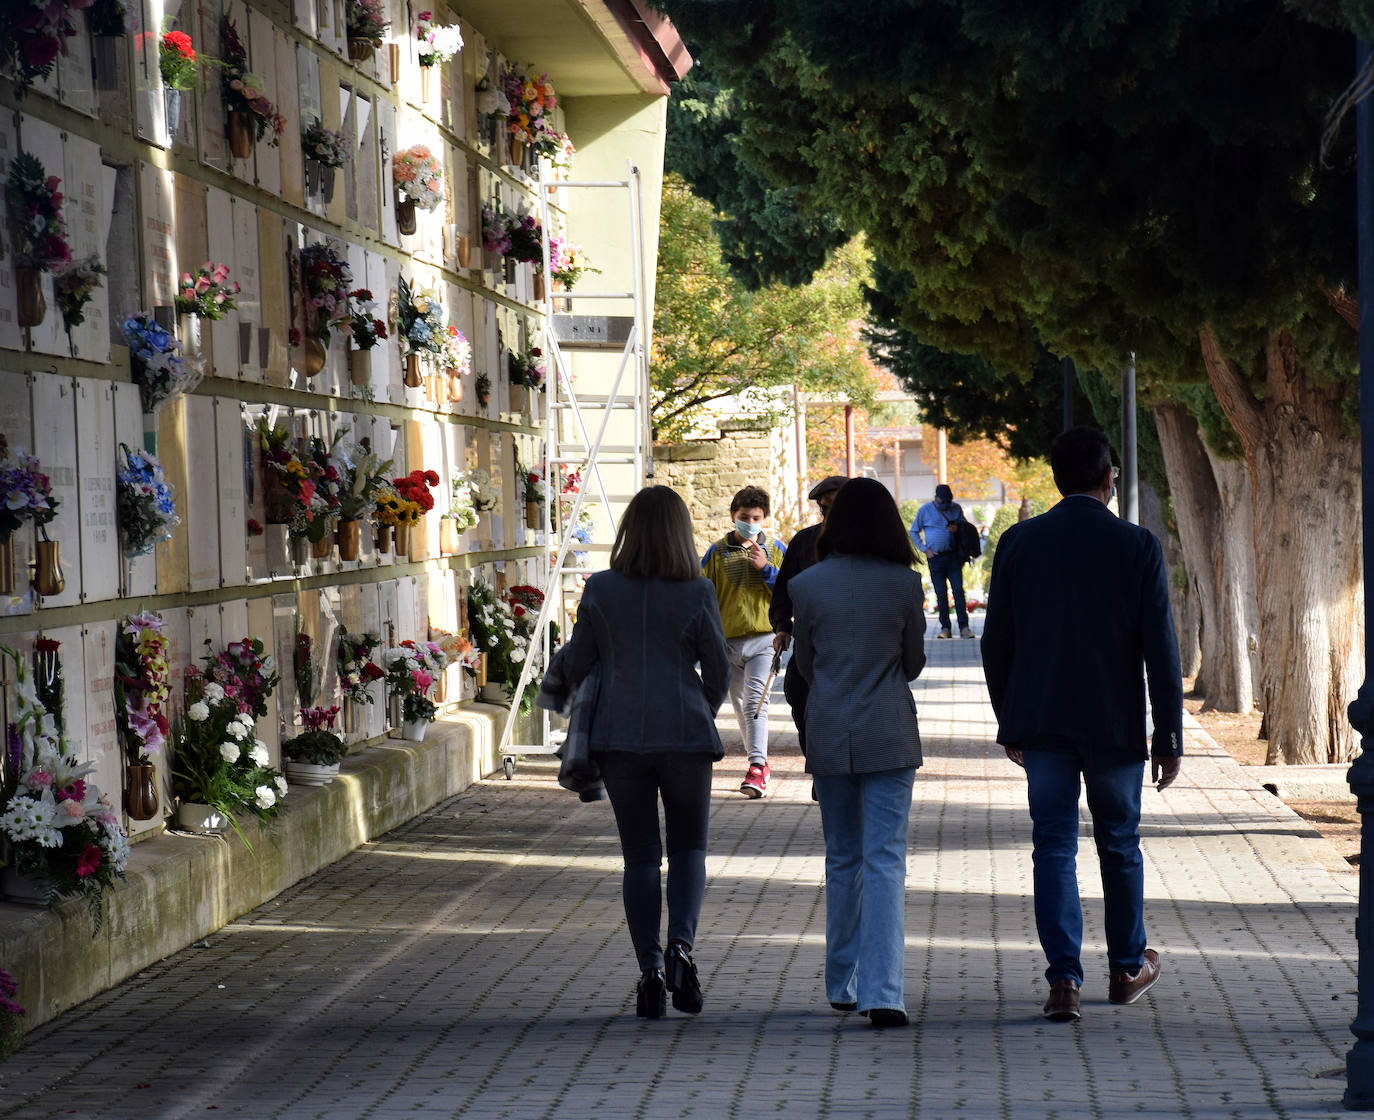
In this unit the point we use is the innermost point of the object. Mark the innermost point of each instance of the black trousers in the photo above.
(796, 688)
(635, 782)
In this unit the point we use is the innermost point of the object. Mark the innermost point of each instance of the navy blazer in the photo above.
(859, 639)
(1077, 607)
(647, 635)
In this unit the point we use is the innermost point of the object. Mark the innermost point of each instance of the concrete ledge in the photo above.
(1315, 782)
(179, 887)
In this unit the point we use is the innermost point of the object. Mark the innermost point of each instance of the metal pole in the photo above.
(941, 456)
(1128, 496)
(849, 440)
(1359, 1062)
(1068, 394)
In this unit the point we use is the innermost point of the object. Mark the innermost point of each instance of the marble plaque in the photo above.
(101, 746)
(202, 514)
(221, 248)
(54, 431)
(233, 539)
(96, 460)
(249, 300)
(157, 197)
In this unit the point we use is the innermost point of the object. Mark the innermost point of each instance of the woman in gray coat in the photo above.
(647, 622)
(859, 639)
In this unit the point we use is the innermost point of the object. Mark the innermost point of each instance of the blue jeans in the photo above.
(1052, 779)
(947, 567)
(864, 817)
(634, 783)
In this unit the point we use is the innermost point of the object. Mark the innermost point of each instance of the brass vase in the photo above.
(402, 542)
(482, 670)
(455, 386)
(464, 251)
(424, 82)
(517, 150)
(140, 791)
(32, 309)
(405, 215)
(448, 536)
(314, 356)
(47, 569)
(348, 540)
(321, 548)
(360, 50)
(360, 367)
(532, 518)
(7, 565)
(381, 537)
(240, 133)
(412, 375)
(538, 287)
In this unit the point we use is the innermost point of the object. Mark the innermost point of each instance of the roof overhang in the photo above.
(589, 48)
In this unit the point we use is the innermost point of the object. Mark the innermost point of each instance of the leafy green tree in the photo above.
(1089, 178)
(713, 338)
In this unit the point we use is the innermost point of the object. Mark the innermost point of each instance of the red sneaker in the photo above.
(755, 782)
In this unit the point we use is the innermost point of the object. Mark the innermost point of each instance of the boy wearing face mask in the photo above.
(743, 567)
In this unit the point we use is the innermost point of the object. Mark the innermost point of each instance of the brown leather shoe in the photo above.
(1127, 988)
(1062, 1006)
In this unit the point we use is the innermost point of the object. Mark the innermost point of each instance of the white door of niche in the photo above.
(202, 500)
(54, 431)
(89, 203)
(233, 518)
(16, 425)
(72, 654)
(44, 141)
(97, 460)
(370, 622)
(219, 232)
(94, 650)
(249, 275)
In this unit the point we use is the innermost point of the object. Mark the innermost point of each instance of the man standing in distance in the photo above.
(801, 554)
(1078, 604)
(743, 566)
(930, 533)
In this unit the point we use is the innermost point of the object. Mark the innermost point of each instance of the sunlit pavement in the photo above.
(475, 963)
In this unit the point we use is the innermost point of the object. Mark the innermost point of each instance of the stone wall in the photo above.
(709, 472)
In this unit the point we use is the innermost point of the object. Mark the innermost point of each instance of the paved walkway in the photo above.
(475, 963)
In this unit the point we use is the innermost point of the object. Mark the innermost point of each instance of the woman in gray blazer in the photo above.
(858, 639)
(647, 622)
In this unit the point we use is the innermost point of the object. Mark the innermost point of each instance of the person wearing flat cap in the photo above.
(801, 554)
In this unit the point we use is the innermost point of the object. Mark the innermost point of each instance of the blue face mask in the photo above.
(747, 529)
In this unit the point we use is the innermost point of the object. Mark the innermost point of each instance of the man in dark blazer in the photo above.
(1078, 604)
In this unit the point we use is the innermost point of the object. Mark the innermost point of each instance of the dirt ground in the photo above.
(1238, 735)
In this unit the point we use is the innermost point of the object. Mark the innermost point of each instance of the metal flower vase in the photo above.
(240, 133)
(47, 569)
(348, 540)
(140, 791)
(32, 307)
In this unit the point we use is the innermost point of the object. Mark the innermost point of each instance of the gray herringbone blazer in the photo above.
(859, 638)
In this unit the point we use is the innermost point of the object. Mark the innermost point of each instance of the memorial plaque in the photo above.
(405, 609)
(367, 176)
(306, 13)
(140, 572)
(54, 431)
(157, 205)
(16, 426)
(388, 146)
(201, 509)
(88, 185)
(93, 658)
(233, 539)
(260, 625)
(44, 142)
(234, 619)
(249, 300)
(205, 635)
(214, 143)
(390, 623)
(286, 170)
(221, 248)
(71, 653)
(276, 301)
(96, 460)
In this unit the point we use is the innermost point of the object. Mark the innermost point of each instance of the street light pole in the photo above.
(1128, 492)
(1359, 1062)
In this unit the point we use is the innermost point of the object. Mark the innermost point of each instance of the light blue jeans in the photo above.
(750, 659)
(864, 817)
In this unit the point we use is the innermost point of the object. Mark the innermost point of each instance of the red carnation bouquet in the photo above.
(177, 60)
(414, 487)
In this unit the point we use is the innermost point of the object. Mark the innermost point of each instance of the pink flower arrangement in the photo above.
(33, 33)
(25, 495)
(244, 673)
(530, 101)
(325, 278)
(438, 42)
(418, 176)
(142, 686)
(209, 293)
(38, 232)
(243, 91)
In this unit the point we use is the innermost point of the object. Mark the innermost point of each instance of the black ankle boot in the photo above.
(680, 973)
(651, 996)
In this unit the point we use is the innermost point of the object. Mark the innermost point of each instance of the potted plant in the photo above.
(74, 287)
(209, 294)
(63, 836)
(28, 498)
(38, 233)
(314, 755)
(366, 23)
(419, 181)
(325, 280)
(250, 115)
(177, 64)
(325, 152)
(145, 503)
(411, 668)
(367, 331)
(438, 43)
(420, 325)
(142, 687)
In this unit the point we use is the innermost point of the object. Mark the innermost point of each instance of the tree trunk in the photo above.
(1236, 689)
(1305, 495)
(1180, 602)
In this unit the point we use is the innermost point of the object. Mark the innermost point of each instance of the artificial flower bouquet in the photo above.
(526, 237)
(419, 176)
(366, 328)
(59, 826)
(244, 91)
(325, 279)
(567, 262)
(38, 232)
(495, 633)
(317, 744)
(246, 672)
(363, 474)
(534, 487)
(327, 468)
(290, 479)
(142, 686)
(529, 101)
(419, 319)
(411, 670)
(144, 502)
(473, 494)
(74, 287)
(154, 362)
(11, 1029)
(495, 236)
(25, 494)
(32, 34)
(457, 355)
(323, 145)
(366, 21)
(437, 42)
(391, 511)
(527, 368)
(415, 488)
(219, 760)
(356, 668)
(177, 60)
(209, 293)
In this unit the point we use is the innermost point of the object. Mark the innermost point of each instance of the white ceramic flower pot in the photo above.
(310, 774)
(193, 816)
(413, 730)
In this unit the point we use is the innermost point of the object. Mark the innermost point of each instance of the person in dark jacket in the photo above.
(647, 622)
(859, 638)
(1078, 606)
(800, 555)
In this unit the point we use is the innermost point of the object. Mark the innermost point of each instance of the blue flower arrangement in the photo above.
(420, 317)
(154, 364)
(145, 502)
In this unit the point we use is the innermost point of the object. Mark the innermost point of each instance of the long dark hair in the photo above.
(655, 537)
(864, 522)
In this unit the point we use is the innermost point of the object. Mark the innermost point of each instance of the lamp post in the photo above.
(1128, 490)
(1359, 1062)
